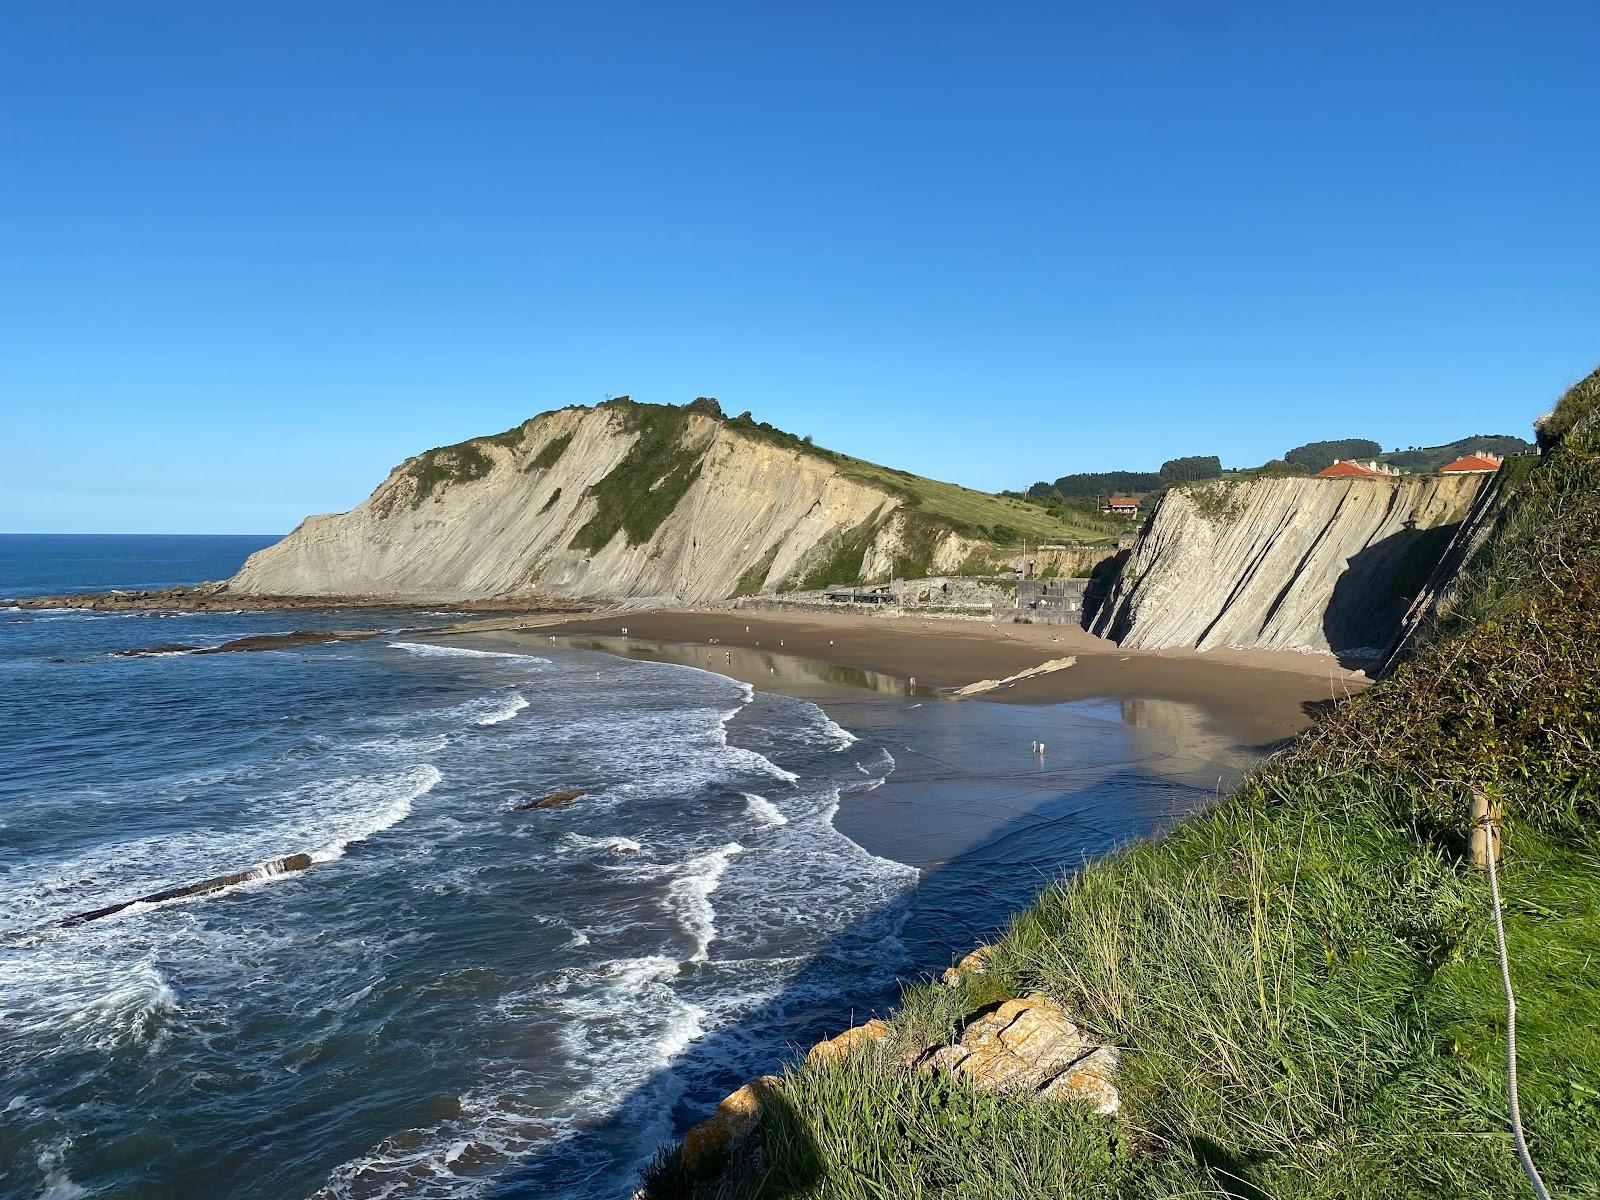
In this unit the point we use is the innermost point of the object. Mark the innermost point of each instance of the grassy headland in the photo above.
(666, 458)
(1303, 980)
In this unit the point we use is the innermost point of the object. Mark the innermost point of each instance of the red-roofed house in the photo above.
(1349, 468)
(1122, 506)
(1482, 463)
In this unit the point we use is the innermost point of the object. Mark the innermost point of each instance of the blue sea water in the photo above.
(460, 997)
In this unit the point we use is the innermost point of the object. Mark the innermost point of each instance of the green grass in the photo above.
(750, 582)
(978, 514)
(1303, 979)
(1311, 1000)
(849, 1128)
(1217, 500)
(550, 454)
(838, 558)
(437, 469)
(434, 470)
(643, 489)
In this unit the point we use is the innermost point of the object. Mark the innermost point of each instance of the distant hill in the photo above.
(1420, 460)
(1300, 460)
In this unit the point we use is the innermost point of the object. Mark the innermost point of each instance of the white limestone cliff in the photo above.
(506, 516)
(1313, 565)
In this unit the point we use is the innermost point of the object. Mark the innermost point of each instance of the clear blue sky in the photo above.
(252, 255)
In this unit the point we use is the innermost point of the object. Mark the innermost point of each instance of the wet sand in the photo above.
(1251, 698)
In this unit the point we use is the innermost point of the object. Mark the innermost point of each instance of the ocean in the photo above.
(462, 996)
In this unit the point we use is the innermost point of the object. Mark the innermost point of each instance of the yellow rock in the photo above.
(972, 964)
(705, 1145)
(1089, 1079)
(1031, 1044)
(850, 1039)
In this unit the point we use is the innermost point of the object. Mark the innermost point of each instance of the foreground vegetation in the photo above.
(1304, 980)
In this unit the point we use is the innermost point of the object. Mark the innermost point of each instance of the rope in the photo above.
(1528, 1168)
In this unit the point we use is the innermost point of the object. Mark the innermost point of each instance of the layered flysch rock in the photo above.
(617, 501)
(1314, 565)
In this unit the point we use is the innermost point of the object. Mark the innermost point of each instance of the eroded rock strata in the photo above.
(619, 500)
(1311, 565)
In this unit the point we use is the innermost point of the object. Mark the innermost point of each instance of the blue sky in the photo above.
(251, 256)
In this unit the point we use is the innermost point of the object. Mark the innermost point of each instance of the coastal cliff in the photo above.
(1313, 565)
(639, 501)
(1301, 985)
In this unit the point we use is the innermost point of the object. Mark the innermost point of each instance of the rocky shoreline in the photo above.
(217, 597)
(1029, 1045)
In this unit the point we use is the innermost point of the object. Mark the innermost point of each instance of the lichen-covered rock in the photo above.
(851, 1039)
(1091, 1079)
(973, 964)
(1315, 565)
(1031, 1045)
(706, 1147)
(1021, 1045)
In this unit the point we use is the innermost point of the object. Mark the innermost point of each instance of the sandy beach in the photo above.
(1255, 698)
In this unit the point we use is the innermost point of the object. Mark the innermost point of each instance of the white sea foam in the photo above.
(764, 810)
(620, 1027)
(67, 1000)
(390, 803)
(322, 818)
(565, 1056)
(614, 845)
(691, 892)
(506, 708)
(842, 736)
(57, 1185)
(428, 650)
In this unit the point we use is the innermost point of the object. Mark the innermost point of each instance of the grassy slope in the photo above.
(1304, 978)
(1002, 518)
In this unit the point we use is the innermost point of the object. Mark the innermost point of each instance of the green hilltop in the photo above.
(642, 491)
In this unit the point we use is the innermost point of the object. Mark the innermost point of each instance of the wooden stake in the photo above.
(1485, 839)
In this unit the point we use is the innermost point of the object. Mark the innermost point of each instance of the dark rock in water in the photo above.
(282, 641)
(278, 866)
(258, 641)
(553, 800)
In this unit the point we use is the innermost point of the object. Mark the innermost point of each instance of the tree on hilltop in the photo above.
(1195, 466)
(1317, 455)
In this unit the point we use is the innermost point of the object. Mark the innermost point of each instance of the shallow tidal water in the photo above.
(458, 997)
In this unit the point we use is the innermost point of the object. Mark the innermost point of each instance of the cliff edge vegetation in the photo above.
(1302, 983)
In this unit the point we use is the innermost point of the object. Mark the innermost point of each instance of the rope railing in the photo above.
(1491, 830)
